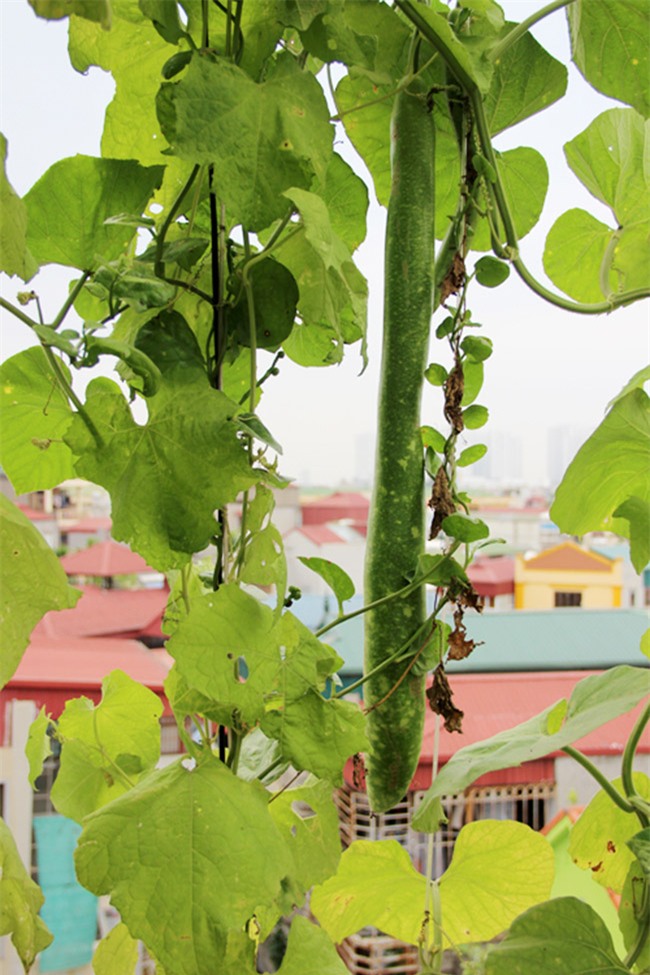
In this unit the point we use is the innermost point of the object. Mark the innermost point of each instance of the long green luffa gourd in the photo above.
(396, 530)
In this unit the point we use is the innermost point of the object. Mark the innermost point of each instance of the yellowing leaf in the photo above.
(376, 884)
(599, 838)
(498, 870)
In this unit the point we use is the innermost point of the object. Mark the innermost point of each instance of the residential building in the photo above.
(568, 576)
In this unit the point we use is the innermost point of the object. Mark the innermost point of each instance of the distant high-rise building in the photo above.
(563, 444)
(503, 463)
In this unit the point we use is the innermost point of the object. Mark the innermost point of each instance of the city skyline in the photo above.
(550, 368)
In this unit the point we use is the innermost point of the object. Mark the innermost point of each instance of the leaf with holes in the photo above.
(171, 893)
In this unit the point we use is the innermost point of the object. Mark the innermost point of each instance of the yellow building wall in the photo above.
(536, 588)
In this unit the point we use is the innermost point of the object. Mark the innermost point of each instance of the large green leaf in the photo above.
(599, 838)
(526, 80)
(317, 734)
(585, 258)
(585, 499)
(498, 870)
(14, 255)
(262, 138)
(608, 157)
(525, 178)
(96, 10)
(594, 701)
(187, 856)
(107, 747)
(561, 937)
(221, 629)
(310, 950)
(32, 582)
(333, 293)
(586, 239)
(161, 504)
(376, 884)
(346, 197)
(20, 901)
(134, 53)
(34, 415)
(610, 47)
(67, 207)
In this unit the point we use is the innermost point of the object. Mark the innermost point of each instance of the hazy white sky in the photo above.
(549, 368)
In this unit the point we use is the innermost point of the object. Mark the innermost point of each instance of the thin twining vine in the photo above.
(497, 196)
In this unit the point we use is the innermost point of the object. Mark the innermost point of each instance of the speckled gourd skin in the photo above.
(396, 531)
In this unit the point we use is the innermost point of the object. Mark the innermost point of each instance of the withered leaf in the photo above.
(441, 501)
(459, 645)
(454, 389)
(441, 701)
(454, 280)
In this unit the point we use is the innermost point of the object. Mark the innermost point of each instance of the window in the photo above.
(568, 598)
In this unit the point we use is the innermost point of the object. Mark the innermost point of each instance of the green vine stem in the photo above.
(499, 50)
(70, 300)
(601, 779)
(17, 313)
(627, 762)
(397, 594)
(252, 338)
(159, 266)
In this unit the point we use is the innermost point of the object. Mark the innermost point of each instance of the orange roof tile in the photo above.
(571, 557)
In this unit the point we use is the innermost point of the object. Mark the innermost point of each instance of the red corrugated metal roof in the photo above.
(336, 507)
(493, 576)
(89, 525)
(494, 702)
(107, 612)
(104, 559)
(321, 535)
(78, 664)
(34, 515)
(342, 499)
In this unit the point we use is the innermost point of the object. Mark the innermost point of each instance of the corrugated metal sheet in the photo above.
(106, 612)
(70, 911)
(566, 639)
(104, 559)
(493, 703)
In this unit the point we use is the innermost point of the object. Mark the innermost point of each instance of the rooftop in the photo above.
(105, 559)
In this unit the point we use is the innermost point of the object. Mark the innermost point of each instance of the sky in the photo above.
(550, 368)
